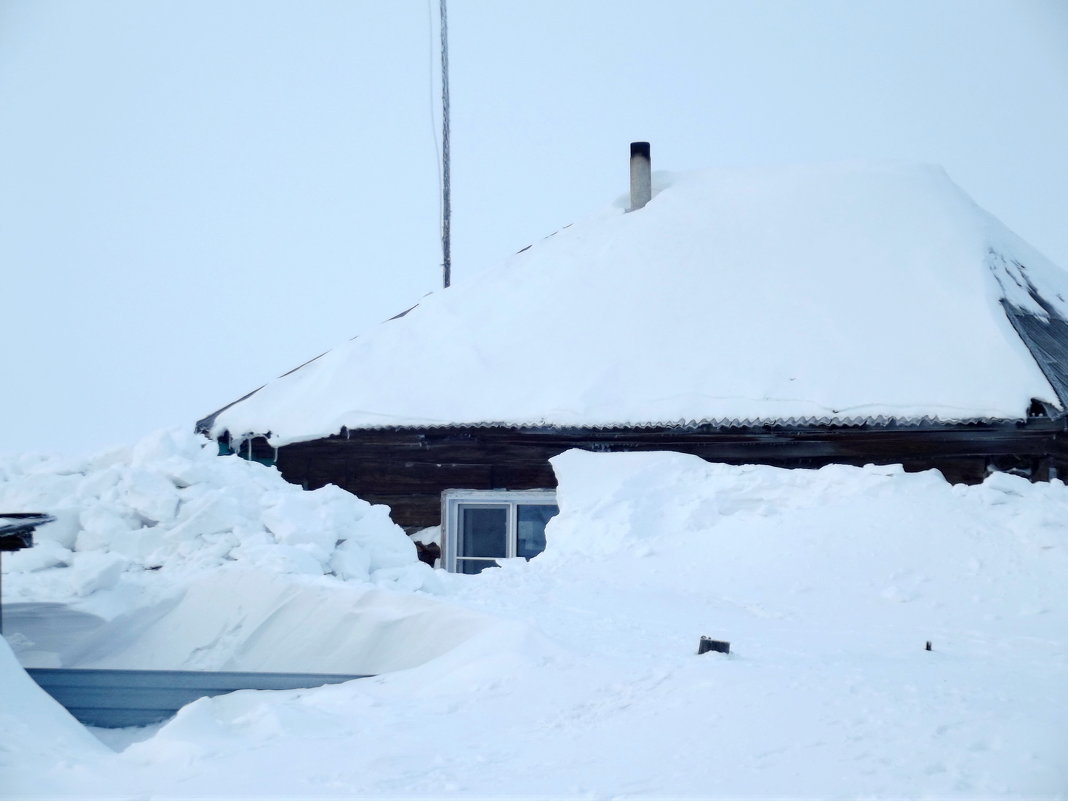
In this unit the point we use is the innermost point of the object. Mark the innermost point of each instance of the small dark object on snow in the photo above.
(16, 529)
(428, 554)
(708, 644)
(928, 648)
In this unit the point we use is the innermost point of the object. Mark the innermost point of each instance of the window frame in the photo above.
(453, 499)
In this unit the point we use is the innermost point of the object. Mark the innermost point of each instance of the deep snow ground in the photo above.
(576, 674)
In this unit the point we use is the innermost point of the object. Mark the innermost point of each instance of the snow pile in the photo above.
(150, 541)
(906, 554)
(668, 314)
(170, 501)
(580, 676)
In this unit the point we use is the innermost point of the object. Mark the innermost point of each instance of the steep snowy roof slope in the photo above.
(833, 293)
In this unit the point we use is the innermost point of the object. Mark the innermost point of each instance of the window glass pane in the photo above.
(483, 531)
(471, 566)
(531, 519)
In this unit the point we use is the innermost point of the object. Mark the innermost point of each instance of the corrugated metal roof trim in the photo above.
(748, 422)
(880, 421)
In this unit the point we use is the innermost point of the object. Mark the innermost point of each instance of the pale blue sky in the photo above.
(198, 195)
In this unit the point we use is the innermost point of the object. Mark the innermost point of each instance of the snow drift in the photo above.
(576, 673)
(38, 733)
(151, 542)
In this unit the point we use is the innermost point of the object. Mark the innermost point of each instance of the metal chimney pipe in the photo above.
(641, 179)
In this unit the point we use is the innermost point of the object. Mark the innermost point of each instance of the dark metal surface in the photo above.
(1040, 325)
(121, 698)
(16, 540)
(1047, 339)
(16, 529)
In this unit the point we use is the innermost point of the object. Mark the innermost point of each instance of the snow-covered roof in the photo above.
(832, 293)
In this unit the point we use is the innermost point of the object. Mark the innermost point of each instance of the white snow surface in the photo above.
(841, 292)
(574, 674)
(147, 539)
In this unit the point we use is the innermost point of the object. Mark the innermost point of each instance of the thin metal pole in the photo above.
(446, 206)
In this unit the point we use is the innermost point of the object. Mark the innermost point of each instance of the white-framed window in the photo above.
(481, 526)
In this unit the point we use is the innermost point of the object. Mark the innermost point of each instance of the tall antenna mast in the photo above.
(446, 206)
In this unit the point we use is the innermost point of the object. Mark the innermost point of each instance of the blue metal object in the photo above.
(113, 699)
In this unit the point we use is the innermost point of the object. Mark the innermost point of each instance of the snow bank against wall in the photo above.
(840, 546)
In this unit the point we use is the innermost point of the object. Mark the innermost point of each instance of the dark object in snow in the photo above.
(928, 647)
(16, 529)
(429, 553)
(641, 182)
(708, 644)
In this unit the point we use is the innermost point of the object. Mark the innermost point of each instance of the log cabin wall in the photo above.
(407, 469)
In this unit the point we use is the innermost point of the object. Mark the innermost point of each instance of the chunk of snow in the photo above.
(170, 502)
